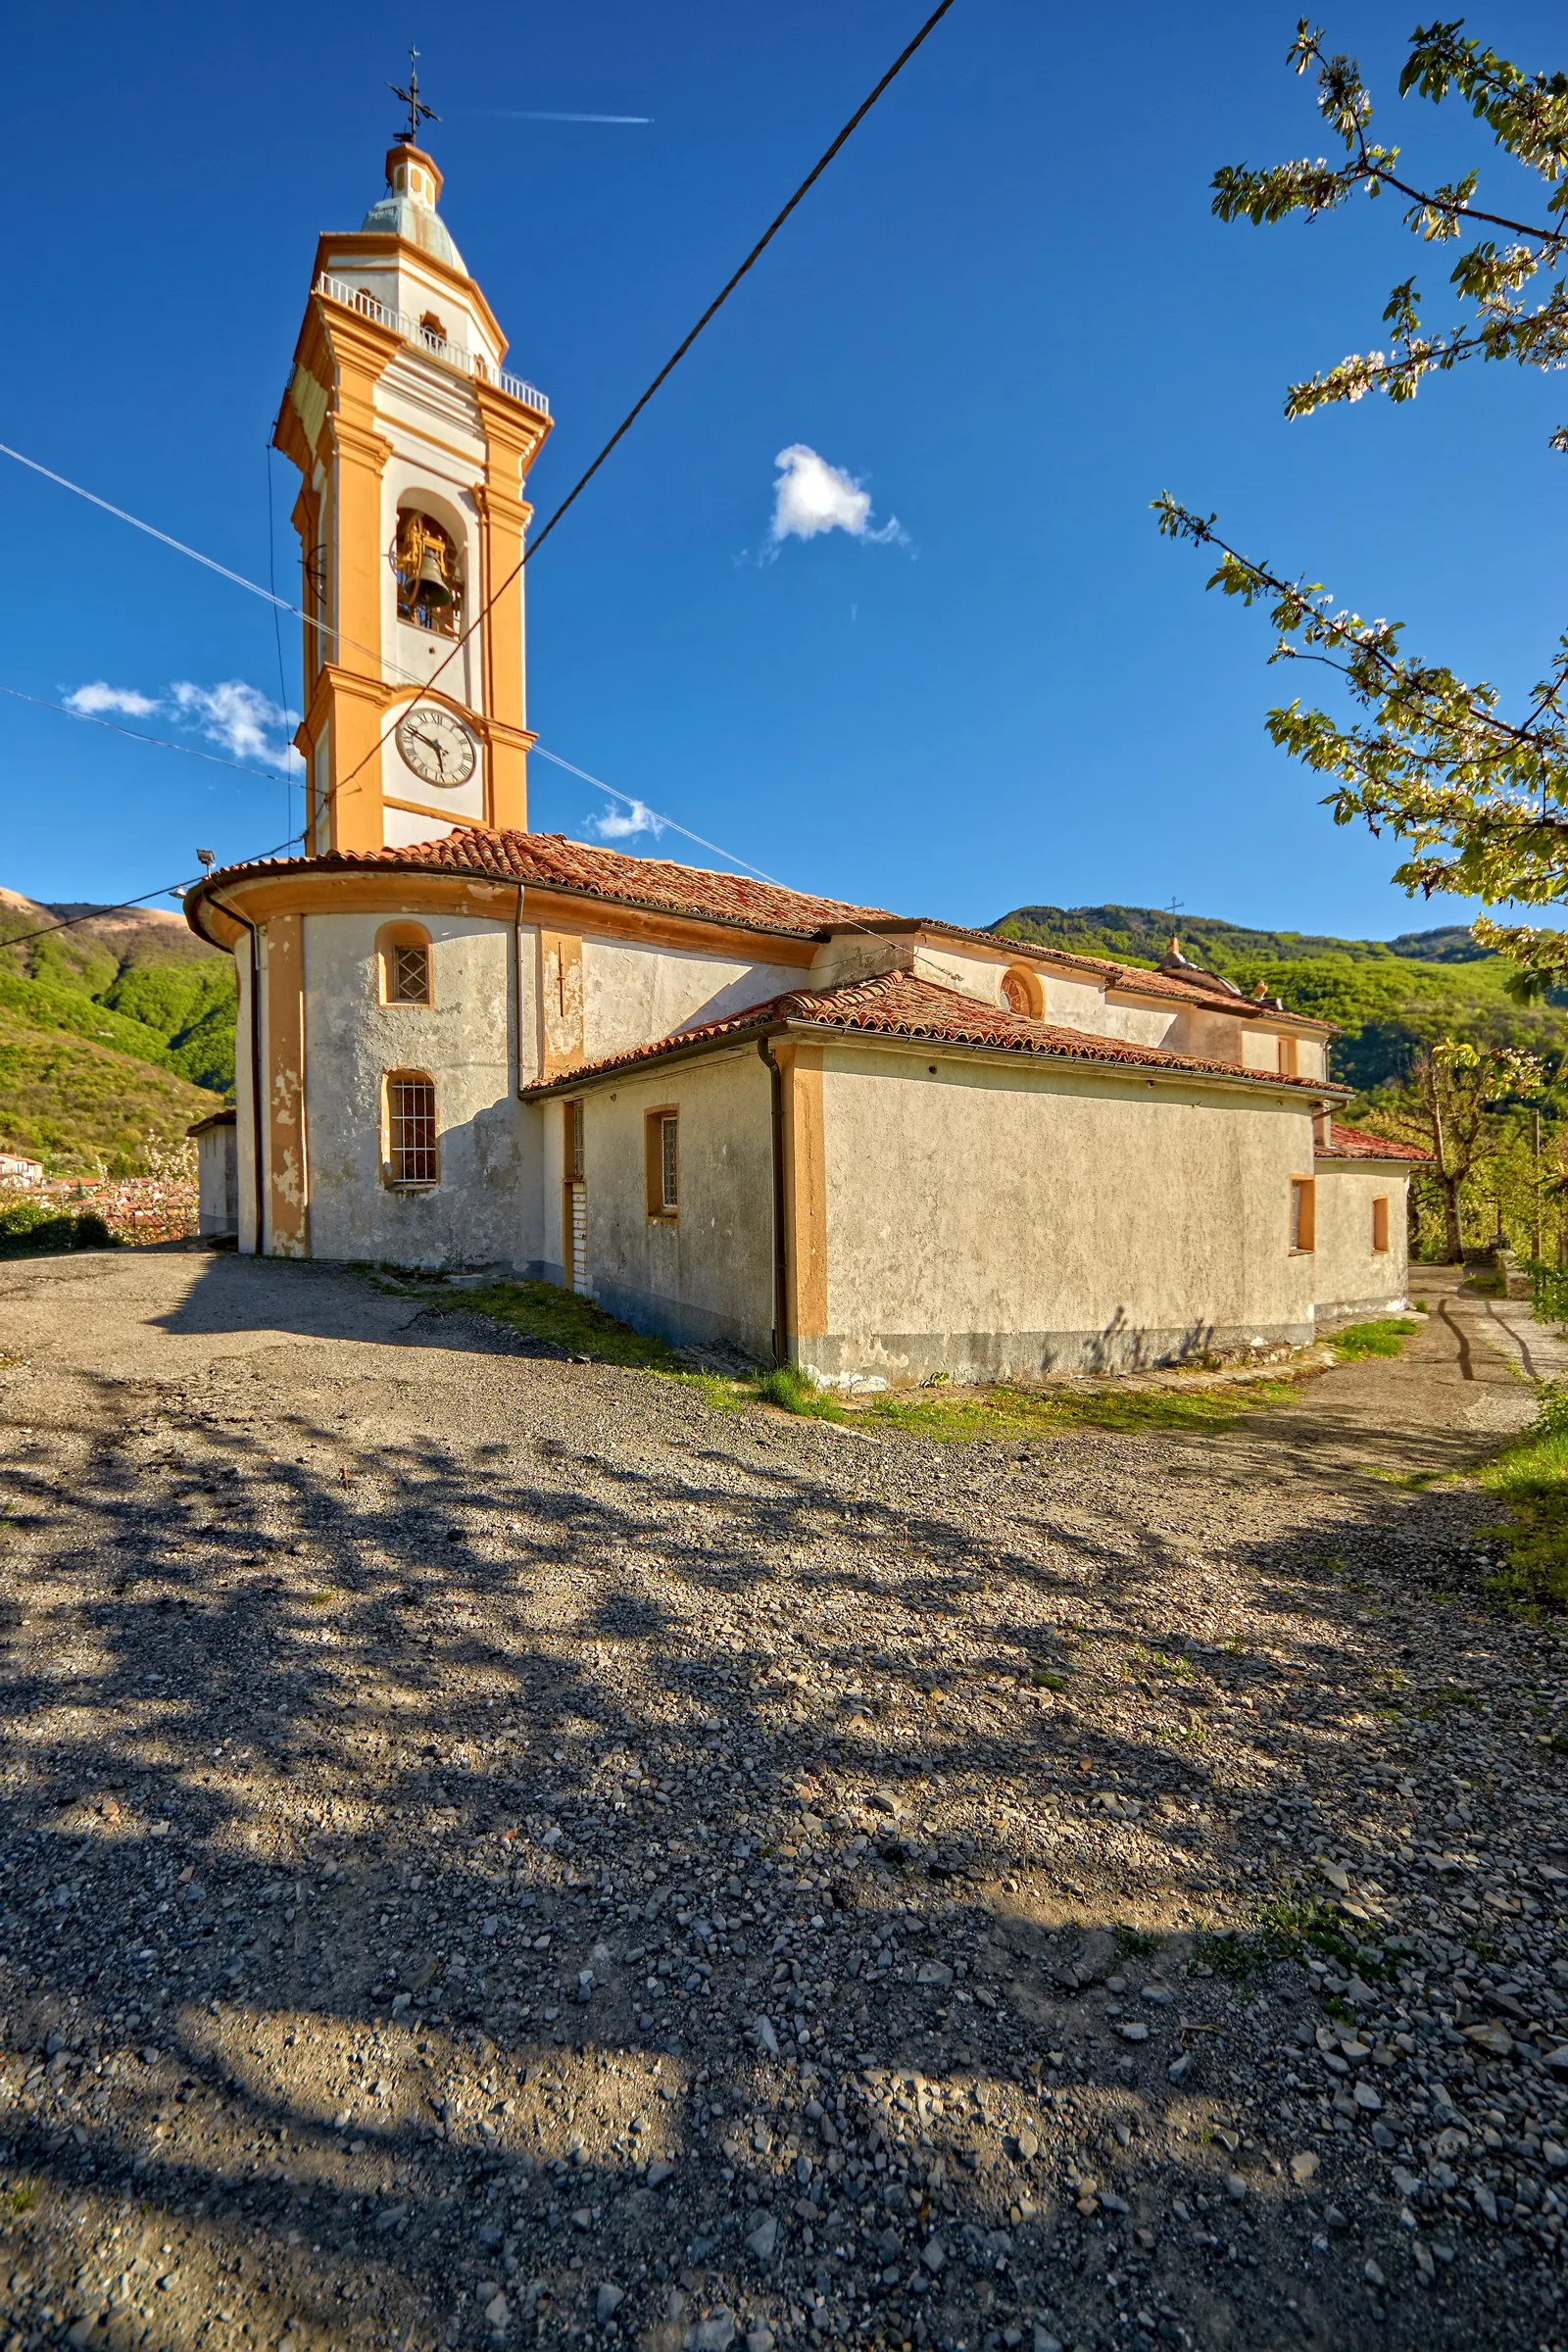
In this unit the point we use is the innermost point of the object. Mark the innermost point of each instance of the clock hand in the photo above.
(431, 744)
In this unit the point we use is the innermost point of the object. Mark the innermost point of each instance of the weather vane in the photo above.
(418, 112)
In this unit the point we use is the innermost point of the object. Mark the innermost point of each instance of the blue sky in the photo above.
(1006, 312)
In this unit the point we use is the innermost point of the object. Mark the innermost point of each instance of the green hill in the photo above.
(121, 1027)
(1388, 996)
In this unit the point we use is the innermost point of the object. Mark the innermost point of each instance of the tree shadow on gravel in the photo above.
(541, 1885)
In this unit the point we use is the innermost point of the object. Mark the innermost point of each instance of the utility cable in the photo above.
(270, 596)
(170, 890)
(674, 359)
(266, 776)
(267, 596)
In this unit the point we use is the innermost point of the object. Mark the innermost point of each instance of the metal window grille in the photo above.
(410, 975)
(669, 1163)
(411, 1120)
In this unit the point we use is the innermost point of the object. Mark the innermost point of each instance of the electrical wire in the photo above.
(170, 890)
(252, 587)
(674, 359)
(266, 776)
(661, 821)
(270, 596)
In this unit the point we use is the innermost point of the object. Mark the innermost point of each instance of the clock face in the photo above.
(437, 747)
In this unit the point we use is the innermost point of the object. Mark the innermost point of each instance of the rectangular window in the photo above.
(662, 1147)
(1290, 1058)
(572, 1139)
(411, 1129)
(410, 976)
(1380, 1225)
(1304, 1219)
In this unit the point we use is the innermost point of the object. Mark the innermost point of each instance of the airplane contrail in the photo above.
(528, 114)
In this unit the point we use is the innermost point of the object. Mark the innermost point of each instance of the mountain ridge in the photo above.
(1387, 998)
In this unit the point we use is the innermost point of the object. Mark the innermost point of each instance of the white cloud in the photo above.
(620, 823)
(240, 717)
(94, 699)
(811, 496)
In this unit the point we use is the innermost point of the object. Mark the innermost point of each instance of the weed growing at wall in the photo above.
(1384, 1338)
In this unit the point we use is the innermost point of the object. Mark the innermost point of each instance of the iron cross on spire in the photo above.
(418, 112)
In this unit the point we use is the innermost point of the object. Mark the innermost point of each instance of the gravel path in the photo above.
(497, 1850)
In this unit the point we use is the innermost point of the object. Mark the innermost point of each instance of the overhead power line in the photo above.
(189, 751)
(19, 939)
(673, 362)
(281, 604)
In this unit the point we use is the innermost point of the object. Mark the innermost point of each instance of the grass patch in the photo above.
(1530, 1479)
(1287, 1930)
(1134, 1943)
(564, 1319)
(22, 2199)
(1004, 1413)
(789, 1389)
(1385, 1337)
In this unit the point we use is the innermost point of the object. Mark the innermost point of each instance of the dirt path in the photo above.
(498, 1850)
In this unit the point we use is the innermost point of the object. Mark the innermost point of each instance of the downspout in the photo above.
(256, 1064)
(781, 1263)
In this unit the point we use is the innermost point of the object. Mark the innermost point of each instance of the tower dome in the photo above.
(408, 209)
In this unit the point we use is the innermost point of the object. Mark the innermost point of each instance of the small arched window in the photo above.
(1023, 993)
(432, 328)
(412, 1153)
(403, 964)
(429, 576)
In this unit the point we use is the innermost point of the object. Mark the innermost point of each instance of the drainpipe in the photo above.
(256, 1063)
(781, 1263)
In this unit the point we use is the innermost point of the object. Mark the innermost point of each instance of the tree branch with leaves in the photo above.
(1479, 799)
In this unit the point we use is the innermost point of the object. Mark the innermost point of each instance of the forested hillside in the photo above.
(1388, 996)
(120, 1029)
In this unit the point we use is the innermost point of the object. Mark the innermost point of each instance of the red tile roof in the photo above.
(552, 860)
(1353, 1143)
(895, 1004)
(549, 860)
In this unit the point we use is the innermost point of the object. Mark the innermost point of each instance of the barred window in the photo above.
(411, 1128)
(402, 959)
(410, 976)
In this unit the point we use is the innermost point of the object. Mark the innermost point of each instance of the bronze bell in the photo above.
(431, 588)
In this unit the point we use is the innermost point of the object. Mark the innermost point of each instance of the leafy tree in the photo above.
(1478, 798)
(1456, 1090)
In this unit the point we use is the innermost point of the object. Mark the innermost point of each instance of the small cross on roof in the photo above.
(418, 112)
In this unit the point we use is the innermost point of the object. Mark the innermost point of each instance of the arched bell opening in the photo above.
(430, 574)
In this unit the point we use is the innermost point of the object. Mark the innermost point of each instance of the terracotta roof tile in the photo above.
(1353, 1143)
(552, 860)
(897, 1005)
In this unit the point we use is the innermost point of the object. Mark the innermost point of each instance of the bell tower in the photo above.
(413, 445)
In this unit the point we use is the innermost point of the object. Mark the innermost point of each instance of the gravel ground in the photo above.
(497, 1850)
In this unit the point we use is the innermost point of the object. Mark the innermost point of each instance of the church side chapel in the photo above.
(878, 1146)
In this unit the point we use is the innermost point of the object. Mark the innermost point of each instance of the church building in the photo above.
(880, 1147)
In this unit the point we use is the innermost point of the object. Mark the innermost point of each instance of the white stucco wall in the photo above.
(709, 1274)
(635, 994)
(1350, 1276)
(995, 1221)
(485, 1209)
